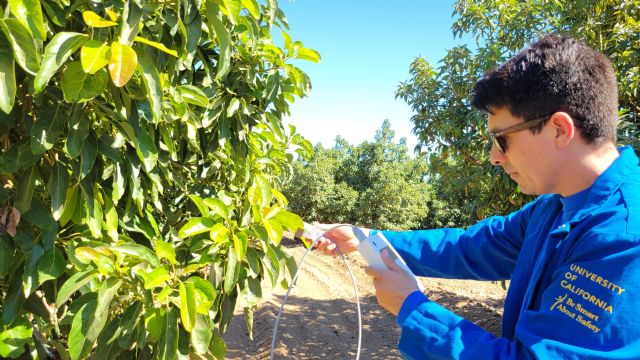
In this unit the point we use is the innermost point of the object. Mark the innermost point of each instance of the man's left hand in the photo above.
(392, 285)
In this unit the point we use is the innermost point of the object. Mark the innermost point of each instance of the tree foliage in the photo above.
(374, 184)
(455, 136)
(141, 157)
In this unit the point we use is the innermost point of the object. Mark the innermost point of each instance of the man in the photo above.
(572, 254)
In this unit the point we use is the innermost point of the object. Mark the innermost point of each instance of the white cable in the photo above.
(295, 277)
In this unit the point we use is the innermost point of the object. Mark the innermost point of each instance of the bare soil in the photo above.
(320, 318)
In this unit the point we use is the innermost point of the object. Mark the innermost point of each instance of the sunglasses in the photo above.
(499, 139)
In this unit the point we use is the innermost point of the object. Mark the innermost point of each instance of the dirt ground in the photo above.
(320, 318)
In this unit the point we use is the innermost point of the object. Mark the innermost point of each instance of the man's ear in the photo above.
(564, 128)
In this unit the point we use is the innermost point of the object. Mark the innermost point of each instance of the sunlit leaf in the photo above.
(94, 20)
(58, 50)
(94, 55)
(122, 64)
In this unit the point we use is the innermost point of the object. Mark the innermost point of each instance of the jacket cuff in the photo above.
(410, 303)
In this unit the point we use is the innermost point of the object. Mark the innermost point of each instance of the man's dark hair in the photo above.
(557, 73)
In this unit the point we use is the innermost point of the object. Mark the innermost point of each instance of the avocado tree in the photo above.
(141, 156)
(455, 136)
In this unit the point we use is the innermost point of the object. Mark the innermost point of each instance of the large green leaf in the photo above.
(71, 204)
(253, 6)
(154, 89)
(146, 150)
(29, 13)
(88, 154)
(169, 336)
(58, 50)
(196, 226)
(155, 278)
(7, 76)
(138, 251)
(164, 250)
(188, 305)
(79, 126)
(14, 337)
(51, 265)
(79, 345)
(205, 294)
(23, 44)
(231, 272)
(131, 17)
(26, 188)
(93, 56)
(201, 334)
(73, 284)
(48, 127)
(58, 186)
(7, 253)
(193, 95)
(108, 290)
(214, 16)
(77, 85)
(122, 64)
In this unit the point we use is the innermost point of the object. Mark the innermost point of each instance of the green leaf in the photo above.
(137, 251)
(73, 284)
(25, 190)
(58, 186)
(70, 205)
(240, 243)
(164, 250)
(199, 204)
(214, 16)
(169, 336)
(205, 294)
(122, 64)
(304, 53)
(231, 272)
(119, 182)
(94, 20)
(29, 13)
(195, 226)
(193, 95)
(78, 131)
(156, 45)
(201, 334)
(151, 79)
(48, 127)
(93, 56)
(234, 104)
(218, 347)
(155, 278)
(14, 337)
(110, 218)
(58, 50)
(253, 7)
(51, 265)
(154, 320)
(6, 256)
(108, 290)
(94, 207)
(289, 220)
(77, 85)
(88, 154)
(218, 207)
(131, 20)
(146, 150)
(79, 345)
(187, 306)
(23, 44)
(7, 76)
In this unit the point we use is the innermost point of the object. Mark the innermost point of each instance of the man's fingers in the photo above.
(386, 258)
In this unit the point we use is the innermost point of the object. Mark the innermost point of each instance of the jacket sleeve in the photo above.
(485, 251)
(587, 311)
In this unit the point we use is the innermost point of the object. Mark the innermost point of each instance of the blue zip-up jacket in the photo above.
(574, 265)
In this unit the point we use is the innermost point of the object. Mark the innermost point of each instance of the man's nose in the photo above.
(497, 157)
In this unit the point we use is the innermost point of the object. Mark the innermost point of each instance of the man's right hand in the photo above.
(342, 236)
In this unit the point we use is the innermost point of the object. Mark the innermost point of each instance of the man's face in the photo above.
(528, 158)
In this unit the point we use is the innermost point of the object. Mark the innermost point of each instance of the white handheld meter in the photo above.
(371, 249)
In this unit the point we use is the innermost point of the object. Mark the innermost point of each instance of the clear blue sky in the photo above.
(366, 49)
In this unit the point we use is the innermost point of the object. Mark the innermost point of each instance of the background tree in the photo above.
(373, 184)
(455, 136)
(141, 156)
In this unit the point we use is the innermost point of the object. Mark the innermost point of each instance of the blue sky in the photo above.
(366, 49)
